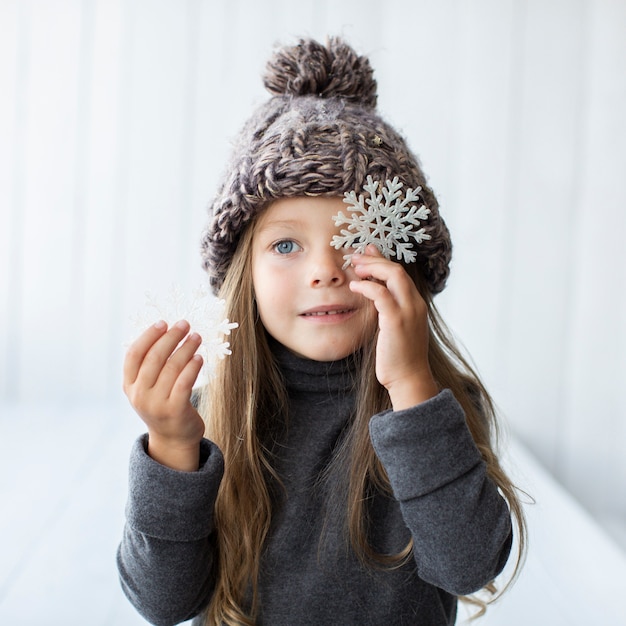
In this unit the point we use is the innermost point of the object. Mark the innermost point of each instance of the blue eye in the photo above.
(287, 246)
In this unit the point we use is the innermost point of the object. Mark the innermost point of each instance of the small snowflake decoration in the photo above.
(389, 221)
(205, 314)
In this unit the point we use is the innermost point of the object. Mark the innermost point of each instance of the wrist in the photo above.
(181, 456)
(412, 391)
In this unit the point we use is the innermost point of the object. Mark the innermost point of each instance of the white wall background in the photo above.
(115, 118)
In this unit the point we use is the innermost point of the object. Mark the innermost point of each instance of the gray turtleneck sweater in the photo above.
(442, 498)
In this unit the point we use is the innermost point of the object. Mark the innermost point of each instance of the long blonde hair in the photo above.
(246, 397)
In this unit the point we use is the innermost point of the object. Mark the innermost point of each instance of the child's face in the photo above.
(302, 293)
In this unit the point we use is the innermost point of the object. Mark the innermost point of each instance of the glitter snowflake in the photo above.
(205, 314)
(388, 219)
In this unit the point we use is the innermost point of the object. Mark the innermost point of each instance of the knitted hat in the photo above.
(318, 135)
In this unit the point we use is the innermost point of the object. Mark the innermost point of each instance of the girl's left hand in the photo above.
(402, 365)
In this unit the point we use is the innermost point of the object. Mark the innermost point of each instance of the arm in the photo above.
(165, 559)
(166, 556)
(461, 526)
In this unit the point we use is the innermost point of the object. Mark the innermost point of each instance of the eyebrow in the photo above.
(283, 223)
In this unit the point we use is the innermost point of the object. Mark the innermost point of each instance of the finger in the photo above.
(390, 274)
(137, 351)
(383, 300)
(372, 250)
(159, 353)
(371, 255)
(369, 250)
(176, 364)
(184, 382)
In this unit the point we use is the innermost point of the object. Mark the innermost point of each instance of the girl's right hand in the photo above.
(158, 379)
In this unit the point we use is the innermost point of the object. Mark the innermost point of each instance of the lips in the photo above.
(327, 311)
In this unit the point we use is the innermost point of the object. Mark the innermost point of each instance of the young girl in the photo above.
(347, 475)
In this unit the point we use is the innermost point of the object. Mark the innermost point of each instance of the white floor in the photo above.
(62, 494)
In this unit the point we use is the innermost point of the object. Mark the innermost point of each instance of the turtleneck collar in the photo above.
(305, 375)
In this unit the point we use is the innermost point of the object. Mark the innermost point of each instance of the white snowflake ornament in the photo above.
(388, 219)
(205, 314)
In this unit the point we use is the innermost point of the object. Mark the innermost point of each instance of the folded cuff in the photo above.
(170, 504)
(424, 447)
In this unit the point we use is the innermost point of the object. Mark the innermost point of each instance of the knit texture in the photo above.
(318, 135)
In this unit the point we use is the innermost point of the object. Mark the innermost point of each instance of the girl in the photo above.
(347, 475)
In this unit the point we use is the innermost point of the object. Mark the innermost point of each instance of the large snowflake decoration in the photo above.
(205, 314)
(387, 219)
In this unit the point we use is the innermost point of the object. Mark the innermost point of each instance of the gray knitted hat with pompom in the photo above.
(318, 135)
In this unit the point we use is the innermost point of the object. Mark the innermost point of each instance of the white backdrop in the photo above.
(115, 118)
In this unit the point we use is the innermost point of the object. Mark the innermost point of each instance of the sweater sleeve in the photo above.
(460, 524)
(166, 554)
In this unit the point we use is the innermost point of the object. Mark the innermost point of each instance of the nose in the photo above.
(326, 267)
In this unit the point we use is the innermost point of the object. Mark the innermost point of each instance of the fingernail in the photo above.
(160, 325)
(182, 324)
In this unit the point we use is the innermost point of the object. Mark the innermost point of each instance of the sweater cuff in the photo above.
(424, 447)
(169, 504)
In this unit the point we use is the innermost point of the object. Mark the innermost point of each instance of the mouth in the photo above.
(322, 313)
(328, 311)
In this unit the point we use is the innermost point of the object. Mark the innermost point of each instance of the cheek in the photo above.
(272, 294)
(259, 289)
(262, 297)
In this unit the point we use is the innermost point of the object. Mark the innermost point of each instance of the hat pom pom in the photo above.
(333, 70)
